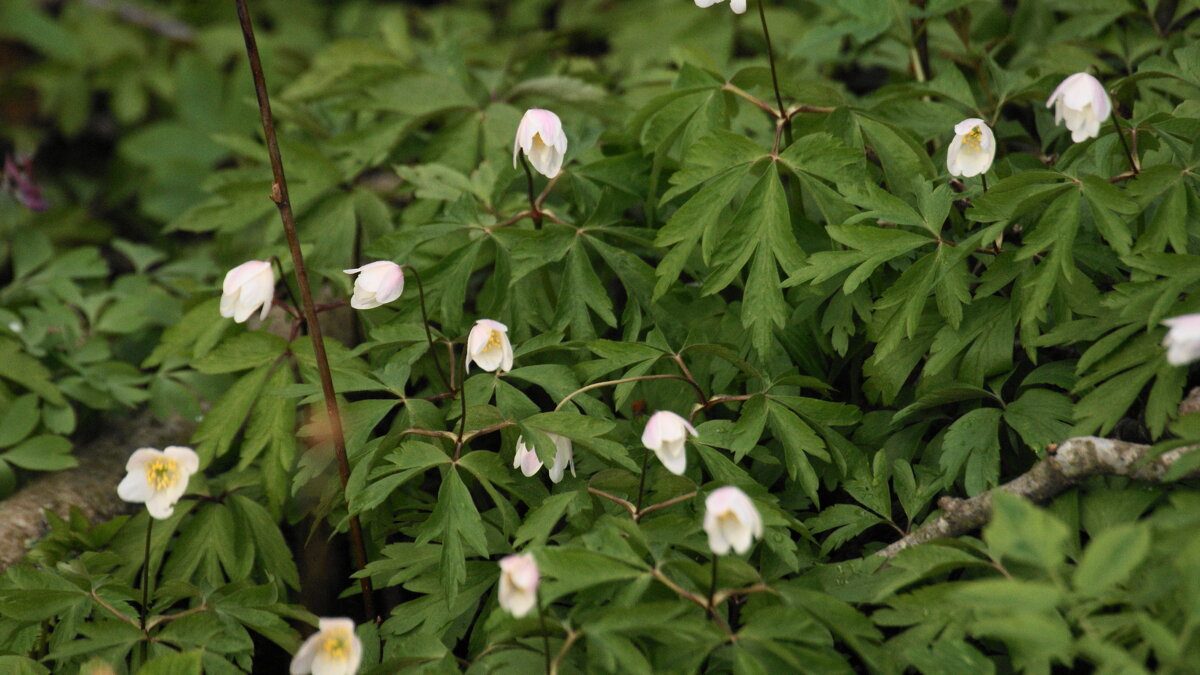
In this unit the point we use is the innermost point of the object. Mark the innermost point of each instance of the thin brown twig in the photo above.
(607, 383)
(662, 505)
(279, 194)
(695, 599)
(113, 610)
(572, 636)
(687, 374)
(615, 499)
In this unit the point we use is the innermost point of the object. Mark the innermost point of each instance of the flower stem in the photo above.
(283, 278)
(279, 195)
(641, 484)
(462, 420)
(545, 636)
(1133, 165)
(787, 122)
(146, 572)
(536, 213)
(983, 178)
(609, 383)
(428, 334)
(712, 587)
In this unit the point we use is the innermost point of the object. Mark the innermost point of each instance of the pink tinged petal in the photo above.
(564, 454)
(673, 456)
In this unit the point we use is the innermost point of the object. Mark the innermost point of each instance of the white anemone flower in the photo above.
(1183, 339)
(488, 346)
(158, 478)
(540, 135)
(1081, 101)
(972, 150)
(666, 434)
(731, 521)
(527, 460)
(248, 287)
(332, 650)
(738, 6)
(519, 579)
(377, 284)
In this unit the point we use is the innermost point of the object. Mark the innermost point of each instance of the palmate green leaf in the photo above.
(870, 247)
(798, 441)
(41, 453)
(19, 420)
(224, 419)
(27, 372)
(179, 663)
(691, 221)
(258, 527)
(581, 289)
(20, 665)
(242, 352)
(454, 520)
(210, 548)
(973, 440)
(1041, 417)
(710, 157)
(1112, 557)
(569, 570)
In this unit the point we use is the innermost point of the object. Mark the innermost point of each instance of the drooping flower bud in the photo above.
(527, 460)
(377, 284)
(248, 287)
(518, 584)
(731, 521)
(488, 346)
(158, 478)
(738, 6)
(332, 650)
(540, 135)
(1082, 102)
(972, 150)
(1183, 340)
(666, 434)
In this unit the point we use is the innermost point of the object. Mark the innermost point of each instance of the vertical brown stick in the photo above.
(279, 194)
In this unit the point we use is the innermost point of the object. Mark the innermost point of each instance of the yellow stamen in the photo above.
(162, 473)
(973, 139)
(493, 341)
(336, 645)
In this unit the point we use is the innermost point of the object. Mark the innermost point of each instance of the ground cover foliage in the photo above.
(853, 331)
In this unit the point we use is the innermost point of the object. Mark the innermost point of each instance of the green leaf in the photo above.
(1021, 531)
(179, 663)
(19, 420)
(456, 521)
(1111, 557)
(275, 558)
(224, 419)
(973, 440)
(1041, 417)
(42, 453)
(20, 665)
(27, 372)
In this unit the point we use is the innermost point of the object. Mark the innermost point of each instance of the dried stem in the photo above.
(1072, 461)
(695, 599)
(279, 194)
(146, 572)
(113, 610)
(572, 636)
(687, 375)
(662, 505)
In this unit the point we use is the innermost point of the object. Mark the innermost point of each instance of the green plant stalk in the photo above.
(1133, 165)
(712, 586)
(545, 637)
(279, 195)
(533, 200)
(641, 484)
(428, 334)
(462, 397)
(787, 121)
(146, 572)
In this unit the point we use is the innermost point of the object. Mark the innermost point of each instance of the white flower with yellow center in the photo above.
(731, 521)
(540, 135)
(972, 150)
(488, 346)
(332, 650)
(519, 579)
(158, 478)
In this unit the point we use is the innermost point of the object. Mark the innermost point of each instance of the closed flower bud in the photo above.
(738, 6)
(332, 650)
(1080, 101)
(972, 150)
(518, 584)
(731, 521)
(541, 137)
(248, 287)
(1183, 340)
(665, 434)
(527, 460)
(158, 478)
(488, 346)
(377, 283)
